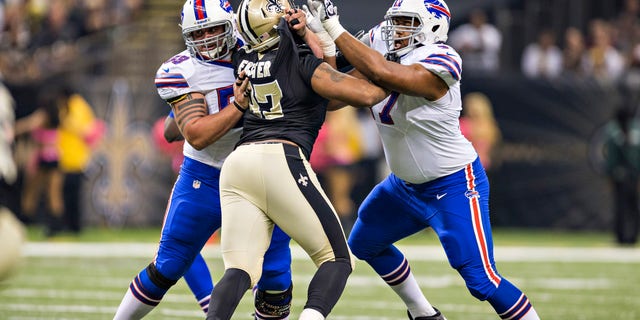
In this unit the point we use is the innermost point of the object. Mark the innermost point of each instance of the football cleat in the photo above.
(437, 316)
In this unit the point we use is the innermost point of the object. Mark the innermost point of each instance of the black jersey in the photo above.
(283, 105)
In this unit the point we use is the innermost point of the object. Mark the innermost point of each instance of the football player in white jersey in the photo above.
(198, 83)
(437, 179)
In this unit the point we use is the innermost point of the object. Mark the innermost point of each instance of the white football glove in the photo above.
(315, 25)
(327, 12)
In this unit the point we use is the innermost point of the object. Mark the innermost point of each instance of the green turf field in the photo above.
(566, 276)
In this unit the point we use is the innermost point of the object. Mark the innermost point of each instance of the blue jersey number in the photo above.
(224, 99)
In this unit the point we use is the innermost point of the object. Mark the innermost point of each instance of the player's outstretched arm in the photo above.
(336, 85)
(297, 21)
(413, 79)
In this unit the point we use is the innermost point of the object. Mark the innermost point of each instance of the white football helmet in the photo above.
(201, 15)
(257, 21)
(429, 24)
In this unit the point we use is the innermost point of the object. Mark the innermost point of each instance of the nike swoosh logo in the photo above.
(165, 69)
(439, 196)
(451, 55)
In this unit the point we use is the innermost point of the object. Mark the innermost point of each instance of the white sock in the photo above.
(311, 314)
(413, 298)
(131, 308)
(531, 315)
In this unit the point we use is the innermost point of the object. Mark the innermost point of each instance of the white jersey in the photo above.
(422, 140)
(183, 74)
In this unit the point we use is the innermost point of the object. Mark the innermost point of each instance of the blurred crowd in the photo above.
(608, 50)
(49, 128)
(43, 38)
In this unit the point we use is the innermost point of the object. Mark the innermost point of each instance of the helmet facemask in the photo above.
(204, 17)
(414, 23)
(210, 47)
(402, 33)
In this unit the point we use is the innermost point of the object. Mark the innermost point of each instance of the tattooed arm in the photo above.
(199, 128)
(335, 85)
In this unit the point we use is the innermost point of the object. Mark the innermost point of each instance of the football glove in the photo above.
(327, 12)
(314, 23)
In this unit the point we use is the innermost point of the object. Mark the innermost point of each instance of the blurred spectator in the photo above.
(127, 11)
(15, 32)
(43, 175)
(543, 58)
(623, 167)
(632, 75)
(573, 51)
(602, 61)
(335, 152)
(479, 44)
(57, 26)
(46, 37)
(78, 134)
(479, 126)
(625, 23)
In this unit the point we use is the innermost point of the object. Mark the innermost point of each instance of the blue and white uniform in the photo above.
(437, 181)
(194, 212)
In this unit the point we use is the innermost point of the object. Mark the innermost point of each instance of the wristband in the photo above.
(239, 107)
(333, 27)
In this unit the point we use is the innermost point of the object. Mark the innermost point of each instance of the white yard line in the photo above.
(418, 253)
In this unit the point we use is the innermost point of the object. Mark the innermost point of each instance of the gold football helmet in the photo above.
(257, 21)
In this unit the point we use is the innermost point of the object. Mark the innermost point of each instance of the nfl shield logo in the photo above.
(196, 184)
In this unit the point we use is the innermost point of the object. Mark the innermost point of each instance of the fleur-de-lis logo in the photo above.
(274, 6)
(303, 180)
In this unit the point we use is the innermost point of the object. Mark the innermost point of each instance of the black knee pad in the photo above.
(158, 279)
(274, 305)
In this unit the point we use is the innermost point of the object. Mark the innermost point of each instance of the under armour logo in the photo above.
(196, 184)
(303, 180)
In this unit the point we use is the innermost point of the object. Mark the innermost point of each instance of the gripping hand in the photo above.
(315, 24)
(330, 10)
(327, 13)
(314, 18)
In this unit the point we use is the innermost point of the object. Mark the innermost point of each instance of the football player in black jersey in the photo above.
(267, 179)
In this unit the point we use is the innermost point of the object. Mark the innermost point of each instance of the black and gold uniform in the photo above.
(267, 180)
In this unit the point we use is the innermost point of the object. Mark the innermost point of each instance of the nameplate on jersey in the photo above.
(254, 70)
